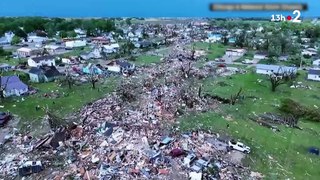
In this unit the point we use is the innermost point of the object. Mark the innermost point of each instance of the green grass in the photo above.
(278, 155)
(147, 59)
(77, 51)
(65, 104)
(9, 61)
(213, 50)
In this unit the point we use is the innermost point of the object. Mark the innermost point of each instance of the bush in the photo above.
(294, 108)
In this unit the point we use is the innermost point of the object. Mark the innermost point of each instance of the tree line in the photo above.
(50, 26)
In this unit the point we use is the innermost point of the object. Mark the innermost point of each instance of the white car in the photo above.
(239, 146)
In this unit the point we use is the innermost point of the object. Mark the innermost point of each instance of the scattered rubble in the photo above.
(129, 134)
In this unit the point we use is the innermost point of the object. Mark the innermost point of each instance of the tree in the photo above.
(296, 60)
(20, 33)
(15, 40)
(128, 47)
(72, 34)
(280, 77)
(128, 21)
(3, 86)
(63, 34)
(93, 77)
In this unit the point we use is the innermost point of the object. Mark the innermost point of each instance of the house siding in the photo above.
(34, 78)
(314, 77)
(15, 92)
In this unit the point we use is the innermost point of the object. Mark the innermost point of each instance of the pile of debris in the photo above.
(270, 120)
(129, 134)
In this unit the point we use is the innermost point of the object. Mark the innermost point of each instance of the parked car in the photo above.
(239, 146)
(4, 118)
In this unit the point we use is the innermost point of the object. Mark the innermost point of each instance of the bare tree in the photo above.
(280, 77)
(234, 98)
(93, 77)
(3, 85)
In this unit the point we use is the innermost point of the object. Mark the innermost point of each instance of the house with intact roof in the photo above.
(314, 74)
(274, 69)
(120, 66)
(13, 86)
(42, 60)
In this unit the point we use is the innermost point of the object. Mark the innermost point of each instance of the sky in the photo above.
(137, 8)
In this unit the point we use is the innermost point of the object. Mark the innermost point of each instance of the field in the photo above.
(278, 155)
(213, 50)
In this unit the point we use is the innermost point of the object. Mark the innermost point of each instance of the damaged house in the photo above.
(119, 66)
(43, 74)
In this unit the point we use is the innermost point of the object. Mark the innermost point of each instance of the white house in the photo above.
(309, 52)
(314, 74)
(270, 69)
(42, 60)
(316, 62)
(80, 33)
(235, 52)
(27, 52)
(76, 43)
(112, 48)
(7, 38)
(54, 49)
(36, 39)
(119, 66)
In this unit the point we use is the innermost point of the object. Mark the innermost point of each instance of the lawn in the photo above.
(9, 61)
(278, 155)
(69, 101)
(213, 50)
(147, 59)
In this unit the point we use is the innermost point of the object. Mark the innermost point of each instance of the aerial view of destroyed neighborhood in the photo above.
(174, 99)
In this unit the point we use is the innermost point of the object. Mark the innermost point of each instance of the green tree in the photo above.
(128, 21)
(63, 34)
(15, 40)
(72, 34)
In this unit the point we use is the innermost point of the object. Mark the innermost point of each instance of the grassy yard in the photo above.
(147, 59)
(278, 155)
(213, 50)
(9, 61)
(68, 102)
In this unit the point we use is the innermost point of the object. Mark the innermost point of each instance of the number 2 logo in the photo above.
(296, 19)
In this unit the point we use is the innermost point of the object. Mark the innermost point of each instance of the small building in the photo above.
(214, 37)
(316, 62)
(314, 74)
(54, 49)
(100, 40)
(95, 54)
(235, 52)
(112, 48)
(43, 74)
(5, 67)
(42, 60)
(36, 39)
(270, 69)
(13, 86)
(27, 52)
(120, 66)
(7, 38)
(75, 44)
